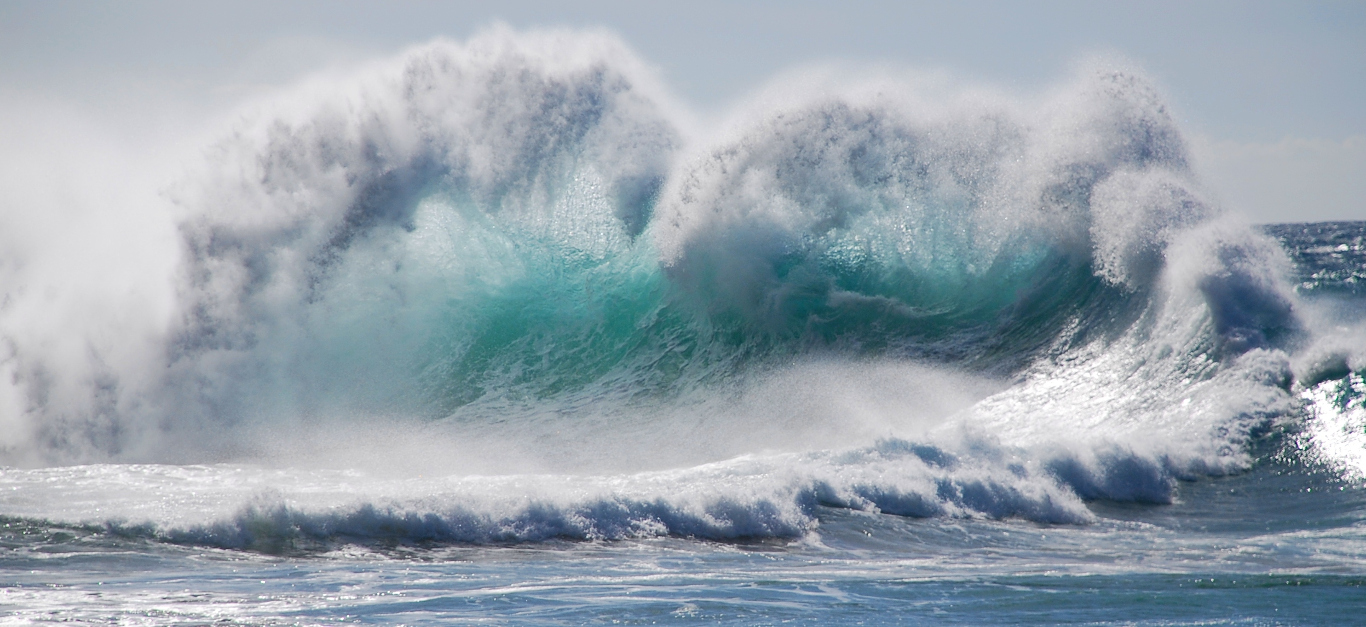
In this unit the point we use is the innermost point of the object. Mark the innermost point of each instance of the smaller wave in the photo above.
(742, 500)
(751, 498)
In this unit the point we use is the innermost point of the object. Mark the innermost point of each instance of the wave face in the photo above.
(515, 262)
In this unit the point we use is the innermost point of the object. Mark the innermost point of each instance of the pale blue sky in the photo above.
(1271, 94)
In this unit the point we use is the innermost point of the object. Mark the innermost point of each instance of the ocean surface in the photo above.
(497, 332)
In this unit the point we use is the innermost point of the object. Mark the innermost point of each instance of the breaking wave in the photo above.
(517, 263)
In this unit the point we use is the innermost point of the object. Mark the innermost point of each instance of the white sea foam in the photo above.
(1335, 433)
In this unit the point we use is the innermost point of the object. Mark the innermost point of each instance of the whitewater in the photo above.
(500, 331)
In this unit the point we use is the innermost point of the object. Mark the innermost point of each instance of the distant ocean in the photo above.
(495, 332)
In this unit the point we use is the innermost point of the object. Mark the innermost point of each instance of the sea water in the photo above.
(496, 332)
